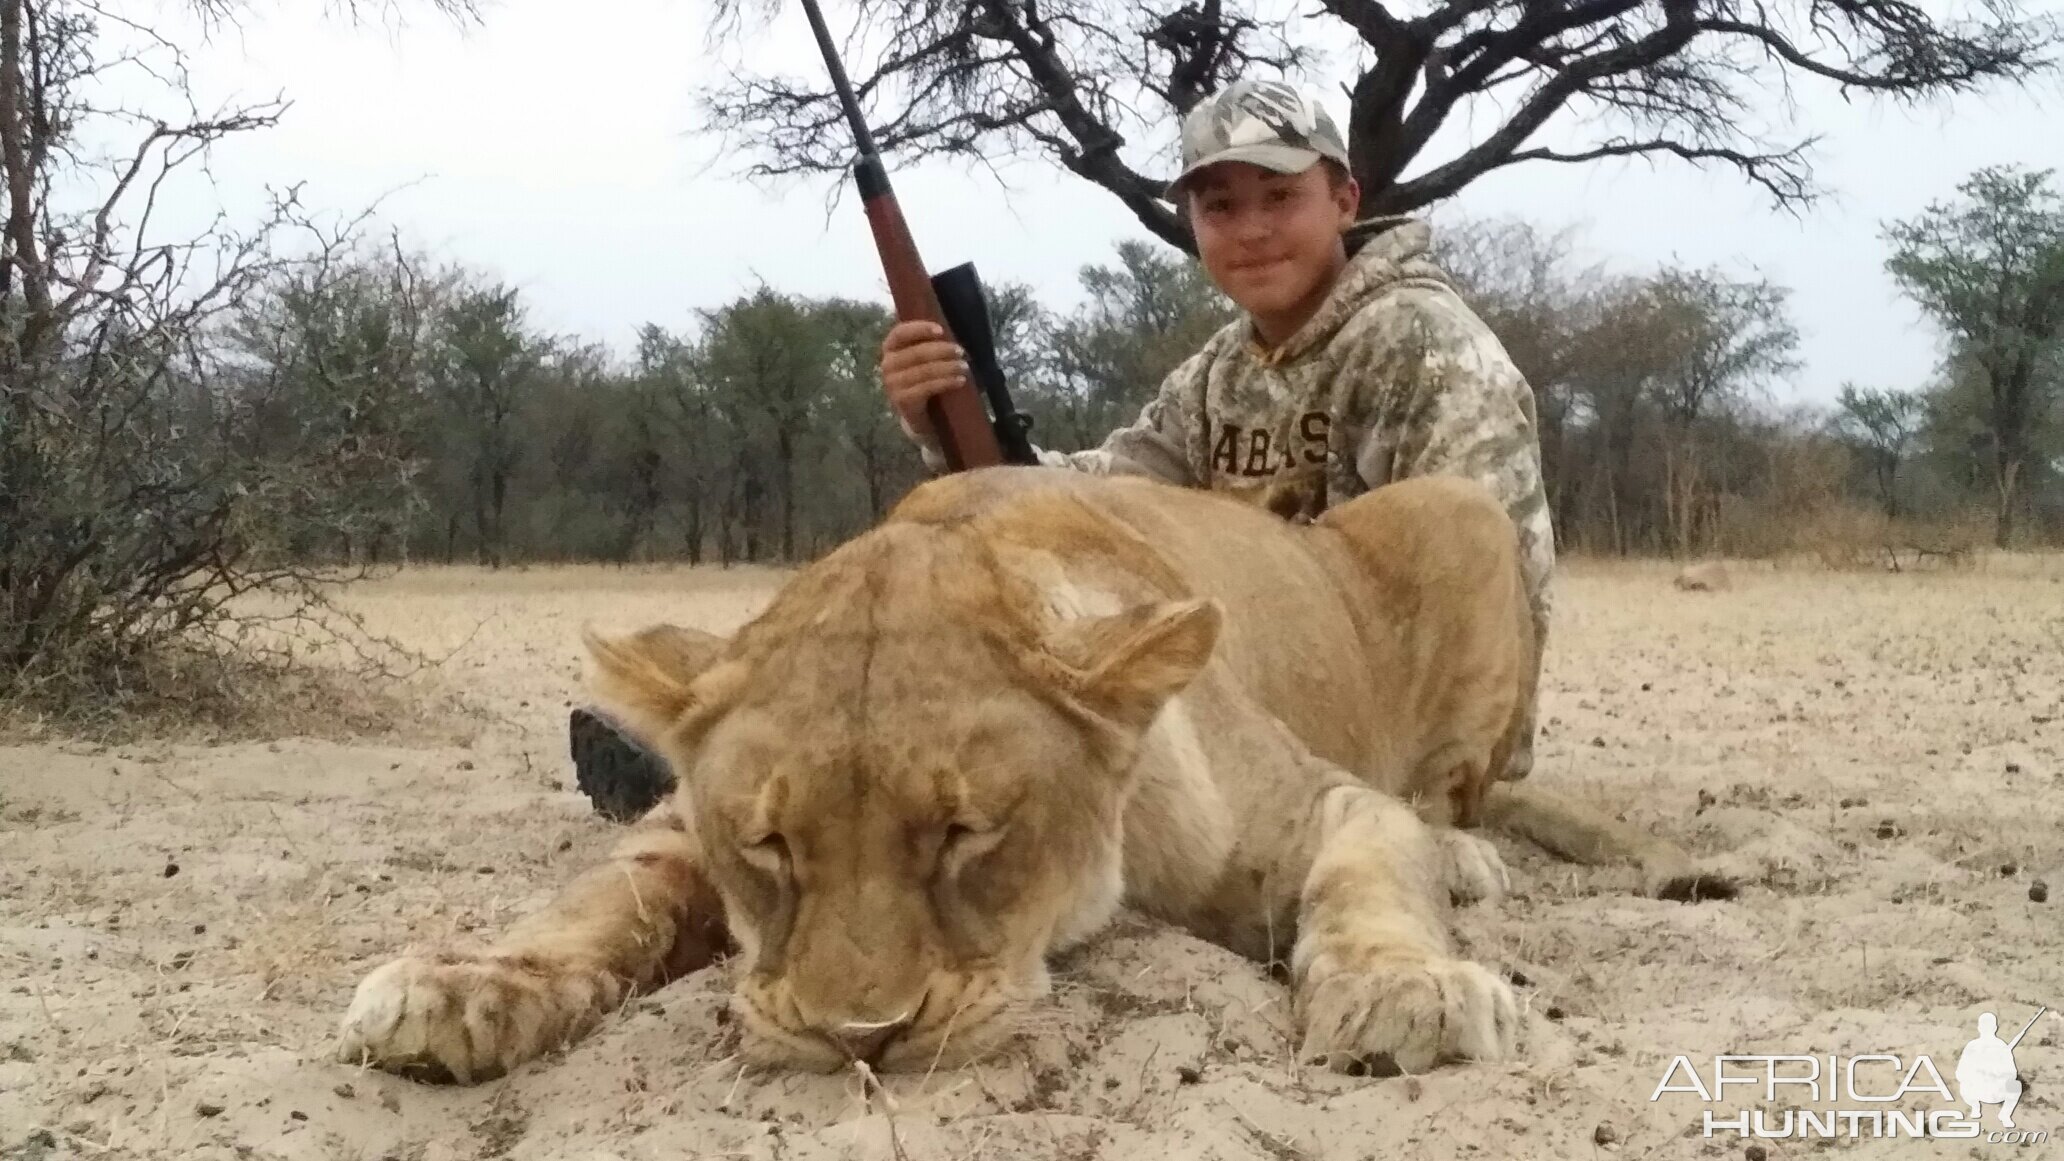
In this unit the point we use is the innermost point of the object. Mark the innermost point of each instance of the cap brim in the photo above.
(1269, 155)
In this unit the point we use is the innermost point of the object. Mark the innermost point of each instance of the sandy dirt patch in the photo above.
(1880, 757)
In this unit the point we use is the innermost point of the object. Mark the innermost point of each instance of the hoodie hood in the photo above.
(1382, 254)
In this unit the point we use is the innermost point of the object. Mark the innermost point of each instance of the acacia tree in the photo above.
(1530, 290)
(1096, 86)
(643, 464)
(854, 408)
(1990, 270)
(1882, 424)
(1642, 382)
(1722, 339)
(1142, 315)
(334, 353)
(766, 356)
(663, 380)
(490, 370)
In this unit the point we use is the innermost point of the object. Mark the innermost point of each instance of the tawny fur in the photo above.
(965, 738)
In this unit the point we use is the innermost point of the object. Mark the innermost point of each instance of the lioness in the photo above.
(962, 740)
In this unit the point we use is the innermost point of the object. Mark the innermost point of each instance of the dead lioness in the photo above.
(964, 739)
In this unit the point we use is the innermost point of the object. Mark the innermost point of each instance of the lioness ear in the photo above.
(650, 678)
(1133, 662)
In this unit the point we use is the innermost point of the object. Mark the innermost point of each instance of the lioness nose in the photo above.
(864, 1040)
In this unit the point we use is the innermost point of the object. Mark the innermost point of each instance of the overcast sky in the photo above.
(556, 146)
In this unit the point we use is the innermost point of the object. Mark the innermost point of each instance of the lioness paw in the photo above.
(465, 1018)
(1388, 1012)
(1476, 871)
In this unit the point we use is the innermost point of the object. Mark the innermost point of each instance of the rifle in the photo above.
(968, 436)
(2026, 1027)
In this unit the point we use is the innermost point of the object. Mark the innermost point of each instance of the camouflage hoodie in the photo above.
(1393, 377)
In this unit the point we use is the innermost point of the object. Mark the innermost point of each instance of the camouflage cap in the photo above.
(1266, 123)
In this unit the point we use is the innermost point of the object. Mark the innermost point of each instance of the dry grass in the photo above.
(216, 698)
(450, 624)
(396, 666)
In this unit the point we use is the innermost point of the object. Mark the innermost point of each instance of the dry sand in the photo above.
(1879, 756)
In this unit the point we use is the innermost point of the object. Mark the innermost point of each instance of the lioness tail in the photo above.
(1588, 837)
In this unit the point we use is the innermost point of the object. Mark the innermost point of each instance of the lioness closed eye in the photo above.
(961, 741)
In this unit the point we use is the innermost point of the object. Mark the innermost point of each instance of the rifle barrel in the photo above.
(2025, 1027)
(967, 438)
(847, 101)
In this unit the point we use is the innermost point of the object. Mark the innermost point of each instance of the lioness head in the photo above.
(907, 778)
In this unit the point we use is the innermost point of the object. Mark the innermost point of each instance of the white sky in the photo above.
(556, 146)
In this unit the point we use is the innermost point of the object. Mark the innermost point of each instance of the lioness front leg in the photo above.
(1374, 973)
(646, 916)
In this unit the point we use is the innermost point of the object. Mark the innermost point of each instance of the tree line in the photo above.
(1663, 426)
(759, 433)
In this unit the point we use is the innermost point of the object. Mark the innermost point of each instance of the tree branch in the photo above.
(15, 149)
(1776, 172)
(1679, 27)
(1094, 154)
(100, 249)
(1686, 78)
(1953, 71)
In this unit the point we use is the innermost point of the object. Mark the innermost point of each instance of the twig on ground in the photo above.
(871, 1086)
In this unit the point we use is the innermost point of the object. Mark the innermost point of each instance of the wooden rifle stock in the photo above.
(958, 419)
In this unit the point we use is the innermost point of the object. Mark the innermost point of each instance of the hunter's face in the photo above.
(1271, 240)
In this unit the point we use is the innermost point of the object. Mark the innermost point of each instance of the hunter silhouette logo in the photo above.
(1985, 1073)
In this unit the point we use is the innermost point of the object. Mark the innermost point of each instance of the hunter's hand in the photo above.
(918, 361)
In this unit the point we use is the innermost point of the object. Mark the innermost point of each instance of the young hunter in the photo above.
(1356, 363)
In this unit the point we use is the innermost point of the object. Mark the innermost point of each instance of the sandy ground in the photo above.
(1880, 757)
